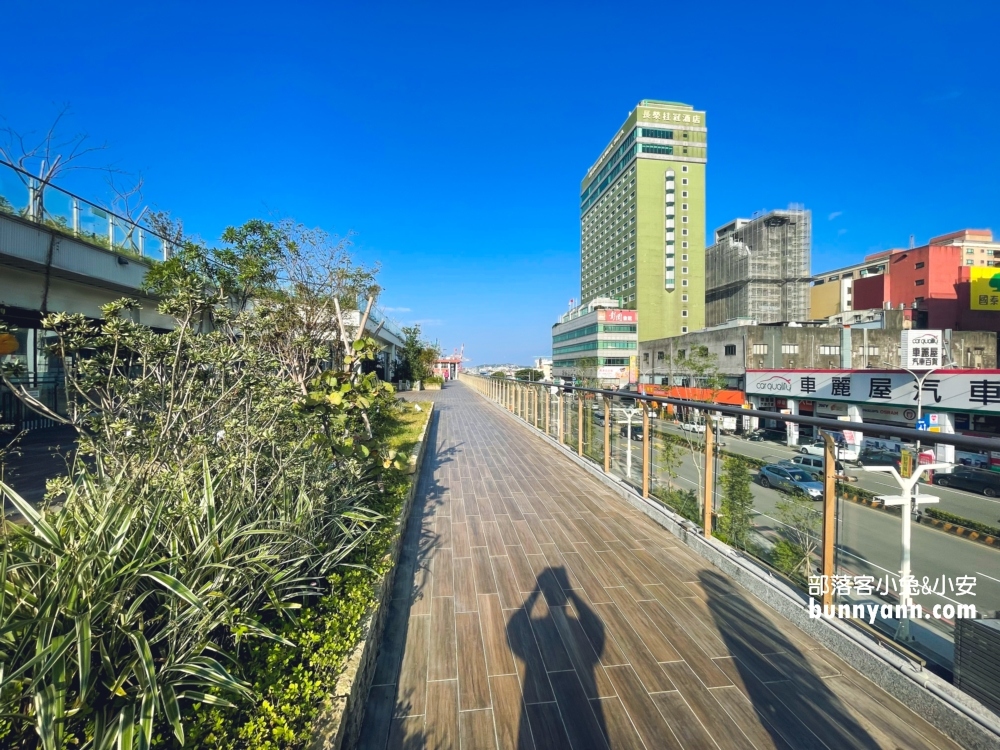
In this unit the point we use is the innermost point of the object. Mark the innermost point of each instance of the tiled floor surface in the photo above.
(534, 609)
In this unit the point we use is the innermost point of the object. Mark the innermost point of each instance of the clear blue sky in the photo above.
(452, 137)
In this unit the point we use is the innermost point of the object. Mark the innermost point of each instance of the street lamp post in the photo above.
(906, 500)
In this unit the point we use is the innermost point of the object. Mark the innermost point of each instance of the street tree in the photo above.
(736, 512)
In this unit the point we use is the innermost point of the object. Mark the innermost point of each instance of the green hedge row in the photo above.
(982, 528)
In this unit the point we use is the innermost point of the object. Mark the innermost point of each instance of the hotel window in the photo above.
(684, 282)
(918, 282)
(684, 232)
(684, 257)
(684, 244)
(684, 298)
(684, 194)
(684, 269)
(684, 168)
(684, 329)
(684, 180)
(919, 265)
(730, 350)
(970, 251)
(684, 219)
(684, 207)
(970, 262)
(684, 313)
(760, 348)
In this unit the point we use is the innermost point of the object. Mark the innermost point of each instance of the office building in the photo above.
(759, 268)
(642, 219)
(595, 344)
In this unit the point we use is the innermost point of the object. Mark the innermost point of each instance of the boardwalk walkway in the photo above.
(534, 609)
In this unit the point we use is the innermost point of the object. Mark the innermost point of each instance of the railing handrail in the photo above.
(830, 425)
(74, 196)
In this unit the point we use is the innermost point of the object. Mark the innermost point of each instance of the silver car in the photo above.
(790, 479)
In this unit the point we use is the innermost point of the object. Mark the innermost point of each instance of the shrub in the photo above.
(947, 517)
(433, 380)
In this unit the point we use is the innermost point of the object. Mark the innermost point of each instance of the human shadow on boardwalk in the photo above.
(544, 626)
(797, 705)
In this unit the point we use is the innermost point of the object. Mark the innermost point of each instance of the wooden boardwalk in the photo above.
(535, 609)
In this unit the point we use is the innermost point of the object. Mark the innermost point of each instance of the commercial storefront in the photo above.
(952, 400)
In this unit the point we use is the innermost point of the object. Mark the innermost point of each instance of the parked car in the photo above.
(692, 427)
(789, 479)
(974, 480)
(636, 431)
(814, 466)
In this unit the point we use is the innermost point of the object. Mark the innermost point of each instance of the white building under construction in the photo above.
(759, 269)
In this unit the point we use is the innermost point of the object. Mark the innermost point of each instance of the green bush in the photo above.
(433, 380)
(982, 528)
(231, 474)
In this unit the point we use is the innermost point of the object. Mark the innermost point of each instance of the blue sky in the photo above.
(451, 137)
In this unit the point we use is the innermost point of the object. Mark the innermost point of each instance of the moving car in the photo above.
(845, 451)
(789, 479)
(974, 480)
(814, 466)
(871, 457)
(636, 431)
(692, 427)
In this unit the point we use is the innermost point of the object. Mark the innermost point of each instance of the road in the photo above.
(868, 540)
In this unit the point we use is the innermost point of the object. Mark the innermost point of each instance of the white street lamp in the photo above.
(906, 500)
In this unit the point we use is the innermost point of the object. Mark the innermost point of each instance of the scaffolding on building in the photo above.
(759, 269)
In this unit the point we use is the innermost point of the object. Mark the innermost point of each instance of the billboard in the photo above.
(921, 350)
(618, 316)
(984, 288)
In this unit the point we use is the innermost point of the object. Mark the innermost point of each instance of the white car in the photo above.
(817, 448)
(692, 427)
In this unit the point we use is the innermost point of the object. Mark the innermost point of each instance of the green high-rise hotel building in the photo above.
(642, 219)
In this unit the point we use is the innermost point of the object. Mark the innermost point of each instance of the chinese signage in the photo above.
(964, 390)
(921, 350)
(612, 373)
(679, 117)
(618, 316)
(984, 289)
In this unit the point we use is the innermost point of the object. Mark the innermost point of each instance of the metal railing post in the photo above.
(709, 476)
(829, 514)
(76, 217)
(646, 442)
(607, 435)
(548, 410)
(579, 425)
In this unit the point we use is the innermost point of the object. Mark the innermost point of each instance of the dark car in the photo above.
(974, 480)
(879, 458)
(636, 431)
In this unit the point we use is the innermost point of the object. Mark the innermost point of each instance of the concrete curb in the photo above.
(793, 606)
(340, 719)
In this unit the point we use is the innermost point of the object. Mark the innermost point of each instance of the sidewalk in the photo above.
(534, 609)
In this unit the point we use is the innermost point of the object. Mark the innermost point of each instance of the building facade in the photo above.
(759, 268)
(596, 344)
(745, 345)
(939, 281)
(642, 219)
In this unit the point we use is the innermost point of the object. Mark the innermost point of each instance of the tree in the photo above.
(736, 513)
(45, 157)
(417, 359)
(499, 375)
(799, 535)
(529, 373)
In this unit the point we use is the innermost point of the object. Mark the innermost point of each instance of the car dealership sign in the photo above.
(921, 350)
(961, 390)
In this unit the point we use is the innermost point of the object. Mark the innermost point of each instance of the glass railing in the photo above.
(26, 197)
(769, 500)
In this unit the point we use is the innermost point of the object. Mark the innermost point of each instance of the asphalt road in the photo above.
(868, 540)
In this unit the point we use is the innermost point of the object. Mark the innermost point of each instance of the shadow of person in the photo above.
(782, 687)
(544, 626)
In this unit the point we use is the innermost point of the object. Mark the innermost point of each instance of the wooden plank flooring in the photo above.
(533, 608)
